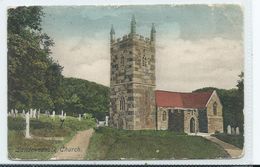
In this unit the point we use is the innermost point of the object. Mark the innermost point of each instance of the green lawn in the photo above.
(21, 148)
(113, 144)
(236, 140)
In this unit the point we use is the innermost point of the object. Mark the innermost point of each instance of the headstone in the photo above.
(53, 114)
(79, 117)
(27, 132)
(106, 124)
(61, 112)
(12, 112)
(237, 131)
(31, 113)
(34, 113)
(229, 130)
(233, 132)
(38, 114)
(23, 113)
(64, 115)
(9, 113)
(16, 113)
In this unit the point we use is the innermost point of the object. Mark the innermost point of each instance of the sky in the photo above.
(196, 45)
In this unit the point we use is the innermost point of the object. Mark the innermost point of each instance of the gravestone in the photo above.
(237, 131)
(65, 115)
(9, 113)
(233, 132)
(79, 117)
(23, 114)
(27, 130)
(53, 114)
(106, 124)
(16, 113)
(229, 130)
(38, 114)
(31, 113)
(34, 113)
(12, 112)
(62, 113)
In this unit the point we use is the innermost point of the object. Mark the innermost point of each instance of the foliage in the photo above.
(108, 143)
(236, 140)
(82, 96)
(30, 67)
(233, 103)
(35, 80)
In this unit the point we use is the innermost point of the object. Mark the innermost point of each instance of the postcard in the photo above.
(126, 82)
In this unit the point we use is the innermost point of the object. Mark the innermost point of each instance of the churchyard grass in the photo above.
(114, 144)
(21, 148)
(236, 140)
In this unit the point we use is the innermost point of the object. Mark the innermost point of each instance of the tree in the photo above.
(240, 102)
(29, 61)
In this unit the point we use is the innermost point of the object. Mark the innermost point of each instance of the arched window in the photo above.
(164, 116)
(215, 105)
(122, 60)
(144, 61)
(122, 104)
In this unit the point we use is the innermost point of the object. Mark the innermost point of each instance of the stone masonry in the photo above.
(132, 80)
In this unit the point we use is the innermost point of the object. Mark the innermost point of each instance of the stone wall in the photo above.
(215, 122)
(162, 124)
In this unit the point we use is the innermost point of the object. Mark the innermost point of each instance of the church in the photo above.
(135, 104)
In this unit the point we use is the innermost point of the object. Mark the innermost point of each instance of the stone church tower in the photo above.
(132, 80)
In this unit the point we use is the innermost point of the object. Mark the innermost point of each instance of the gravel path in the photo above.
(76, 148)
(233, 151)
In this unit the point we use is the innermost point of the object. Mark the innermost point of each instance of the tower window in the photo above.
(122, 104)
(122, 61)
(215, 105)
(164, 116)
(144, 61)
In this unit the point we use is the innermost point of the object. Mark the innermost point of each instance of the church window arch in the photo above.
(215, 105)
(122, 60)
(122, 103)
(164, 116)
(144, 61)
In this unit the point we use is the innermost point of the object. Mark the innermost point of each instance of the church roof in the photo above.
(182, 100)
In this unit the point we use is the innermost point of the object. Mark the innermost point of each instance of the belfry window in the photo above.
(215, 105)
(144, 61)
(122, 104)
(164, 116)
(122, 60)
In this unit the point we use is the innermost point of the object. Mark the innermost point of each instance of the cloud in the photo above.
(184, 65)
(84, 58)
(181, 65)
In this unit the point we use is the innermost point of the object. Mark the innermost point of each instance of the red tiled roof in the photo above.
(182, 100)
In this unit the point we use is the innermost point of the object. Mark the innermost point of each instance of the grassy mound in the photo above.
(112, 144)
(21, 148)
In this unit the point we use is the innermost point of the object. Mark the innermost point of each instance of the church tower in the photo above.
(132, 80)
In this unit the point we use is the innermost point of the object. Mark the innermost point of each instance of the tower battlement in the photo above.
(133, 37)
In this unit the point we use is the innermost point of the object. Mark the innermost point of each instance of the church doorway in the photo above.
(192, 125)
